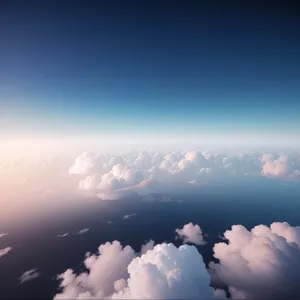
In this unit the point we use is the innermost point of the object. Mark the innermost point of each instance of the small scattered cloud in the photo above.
(82, 231)
(3, 234)
(126, 217)
(29, 275)
(5, 250)
(63, 235)
(111, 222)
(191, 233)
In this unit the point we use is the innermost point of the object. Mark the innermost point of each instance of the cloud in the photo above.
(114, 177)
(126, 217)
(148, 246)
(86, 163)
(283, 166)
(29, 275)
(262, 263)
(4, 251)
(83, 230)
(3, 234)
(167, 272)
(191, 233)
(110, 176)
(63, 235)
(104, 269)
(162, 272)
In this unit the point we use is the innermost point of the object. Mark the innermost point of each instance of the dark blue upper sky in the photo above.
(140, 66)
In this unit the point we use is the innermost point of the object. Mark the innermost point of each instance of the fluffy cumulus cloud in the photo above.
(4, 251)
(29, 275)
(160, 272)
(191, 233)
(262, 263)
(283, 166)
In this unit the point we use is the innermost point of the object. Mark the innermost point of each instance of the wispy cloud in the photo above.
(29, 275)
(126, 217)
(5, 250)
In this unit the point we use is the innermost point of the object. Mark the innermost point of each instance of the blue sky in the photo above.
(149, 67)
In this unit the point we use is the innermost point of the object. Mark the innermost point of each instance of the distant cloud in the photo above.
(283, 166)
(3, 234)
(63, 235)
(191, 233)
(29, 275)
(111, 176)
(111, 222)
(262, 263)
(83, 230)
(4, 251)
(126, 217)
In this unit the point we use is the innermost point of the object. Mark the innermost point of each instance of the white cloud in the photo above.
(162, 272)
(148, 246)
(191, 233)
(82, 231)
(283, 166)
(63, 235)
(4, 251)
(29, 275)
(85, 163)
(3, 234)
(105, 268)
(262, 263)
(113, 176)
(128, 216)
(167, 272)
(144, 173)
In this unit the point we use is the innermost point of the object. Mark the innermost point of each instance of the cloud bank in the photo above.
(115, 176)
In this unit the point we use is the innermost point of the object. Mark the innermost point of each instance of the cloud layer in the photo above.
(112, 177)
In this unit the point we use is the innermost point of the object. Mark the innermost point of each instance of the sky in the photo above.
(225, 70)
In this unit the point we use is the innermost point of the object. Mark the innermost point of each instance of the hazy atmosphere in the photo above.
(149, 149)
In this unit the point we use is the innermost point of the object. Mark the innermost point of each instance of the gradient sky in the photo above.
(150, 68)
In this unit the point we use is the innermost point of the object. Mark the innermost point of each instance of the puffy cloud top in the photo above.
(259, 264)
(162, 272)
(191, 233)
